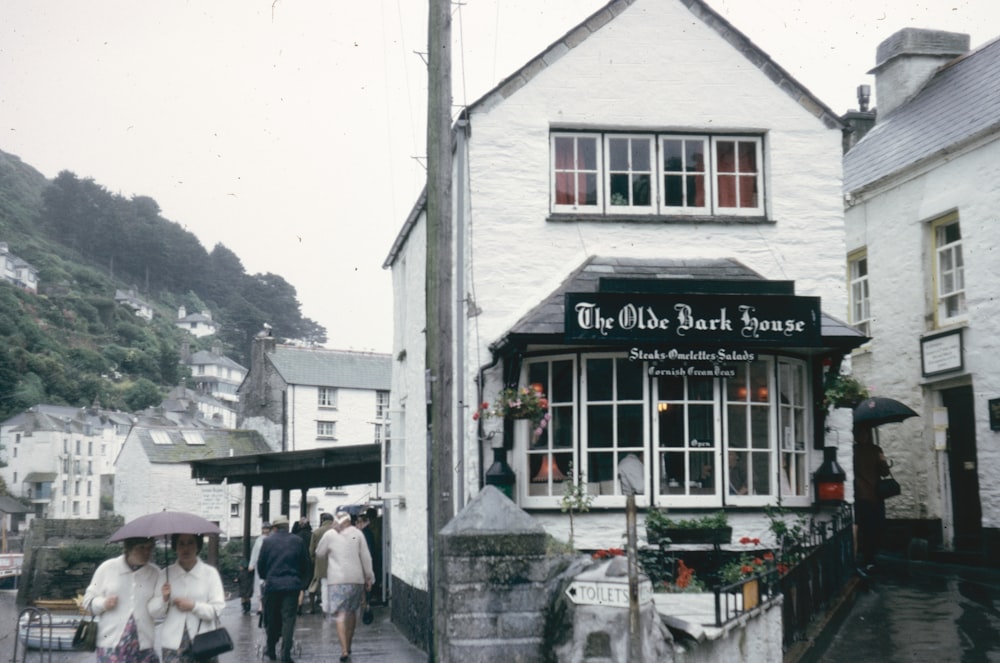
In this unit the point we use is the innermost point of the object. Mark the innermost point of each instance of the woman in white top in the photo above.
(119, 593)
(348, 576)
(189, 597)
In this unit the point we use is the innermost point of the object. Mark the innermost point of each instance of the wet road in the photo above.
(913, 611)
(315, 639)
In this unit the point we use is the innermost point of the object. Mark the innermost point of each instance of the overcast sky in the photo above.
(292, 131)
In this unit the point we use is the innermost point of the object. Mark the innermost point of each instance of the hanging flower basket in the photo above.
(528, 403)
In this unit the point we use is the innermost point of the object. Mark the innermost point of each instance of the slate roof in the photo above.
(43, 417)
(217, 443)
(208, 357)
(332, 368)
(548, 318)
(958, 105)
(10, 505)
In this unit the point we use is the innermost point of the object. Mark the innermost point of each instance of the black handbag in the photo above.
(85, 637)
(211, 643)
(887, 487)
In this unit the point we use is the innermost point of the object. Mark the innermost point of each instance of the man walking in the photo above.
(285, 567)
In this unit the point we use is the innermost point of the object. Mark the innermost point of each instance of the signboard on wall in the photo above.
(694, 319)
(941, 353)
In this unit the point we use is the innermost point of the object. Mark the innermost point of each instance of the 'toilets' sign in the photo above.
(612, 594)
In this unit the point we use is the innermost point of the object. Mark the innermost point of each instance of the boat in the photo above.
(54, 635)
(59, 605)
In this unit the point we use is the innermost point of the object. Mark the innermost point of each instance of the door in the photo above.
(963, 468)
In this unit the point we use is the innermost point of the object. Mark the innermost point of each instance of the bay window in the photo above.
(704, 441)
(657, 174)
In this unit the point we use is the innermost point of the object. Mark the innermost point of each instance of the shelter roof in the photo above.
(335, 466)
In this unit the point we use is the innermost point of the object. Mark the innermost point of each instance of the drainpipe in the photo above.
(460, 303)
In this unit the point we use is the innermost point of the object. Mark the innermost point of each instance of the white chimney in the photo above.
(181, 312)
(905, 62)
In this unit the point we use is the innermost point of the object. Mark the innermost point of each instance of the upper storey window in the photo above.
(657, 174)
(949, 270)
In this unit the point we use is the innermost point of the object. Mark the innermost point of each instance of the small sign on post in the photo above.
(612, 594)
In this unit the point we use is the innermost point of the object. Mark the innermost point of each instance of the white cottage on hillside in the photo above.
(922, 238)
(650, 229)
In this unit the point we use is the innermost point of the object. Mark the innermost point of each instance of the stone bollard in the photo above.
(496, 572)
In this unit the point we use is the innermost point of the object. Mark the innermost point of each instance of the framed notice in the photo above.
(941, 353)
(994, 406)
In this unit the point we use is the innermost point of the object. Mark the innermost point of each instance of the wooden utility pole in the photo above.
(438, 278)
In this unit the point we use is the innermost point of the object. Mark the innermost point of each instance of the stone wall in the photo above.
(60, 556)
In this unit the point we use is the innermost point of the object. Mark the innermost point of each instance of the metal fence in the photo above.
(820, 576)
(826, 562)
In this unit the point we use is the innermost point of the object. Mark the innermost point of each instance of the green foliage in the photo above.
(80, 553)
(87, 242)
(575, 498)
(142, 394)
(657, 520)
(843, 391)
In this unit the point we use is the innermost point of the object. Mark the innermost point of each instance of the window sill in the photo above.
(665, 219)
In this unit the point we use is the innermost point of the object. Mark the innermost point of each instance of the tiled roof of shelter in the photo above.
(333, 368)
(958, 105)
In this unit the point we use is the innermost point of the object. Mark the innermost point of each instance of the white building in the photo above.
(197, 324)
(649, 223)
(57, 456)
(312, 398)
(152, 474)
(214, 373)
(922, 237)
(131, 299)
(17, 270)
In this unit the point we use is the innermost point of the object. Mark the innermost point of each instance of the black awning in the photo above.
(337, 466)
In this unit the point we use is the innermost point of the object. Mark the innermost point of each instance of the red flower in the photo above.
(475, 415)
(769, 555)
(745, 540)
(746, 568)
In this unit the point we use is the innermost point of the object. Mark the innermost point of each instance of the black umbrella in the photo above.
(165, 523)
(878, 410)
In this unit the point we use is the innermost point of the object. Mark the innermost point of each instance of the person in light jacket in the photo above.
(119, 594)
(348, 576)
(189, 598)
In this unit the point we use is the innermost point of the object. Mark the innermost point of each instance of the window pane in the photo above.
(702, 473)
(588, 189)
(630, 425)
(562, 382)
(600, 433)
(618, 153)
(599, 379)
(561, 427)
(619, 185)
(587, 154)
(761, 473)
(564, 152)
(630, 380)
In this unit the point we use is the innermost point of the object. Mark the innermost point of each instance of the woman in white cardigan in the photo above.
(348, 576)
(189, 597)
(119, 594)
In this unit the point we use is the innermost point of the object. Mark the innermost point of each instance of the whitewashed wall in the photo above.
(899, 263)
(620, 77)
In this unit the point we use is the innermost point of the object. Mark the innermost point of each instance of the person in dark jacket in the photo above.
(869, 509)
(285, 568)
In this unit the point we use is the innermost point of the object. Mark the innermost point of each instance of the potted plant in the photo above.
(713, 528)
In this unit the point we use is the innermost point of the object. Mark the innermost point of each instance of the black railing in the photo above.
(820, 576)
(751, 592)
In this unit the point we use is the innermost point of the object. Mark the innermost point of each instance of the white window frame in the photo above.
(630, 170)
(949, 272)
(795, 425)
(687, 498)
(754, 401)
(327, 397)
(326, 430)
(554, 491)
(381, 404)
(598, 206)
(710, 174)
(609, 493)
(858, 291)
(717, 208)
